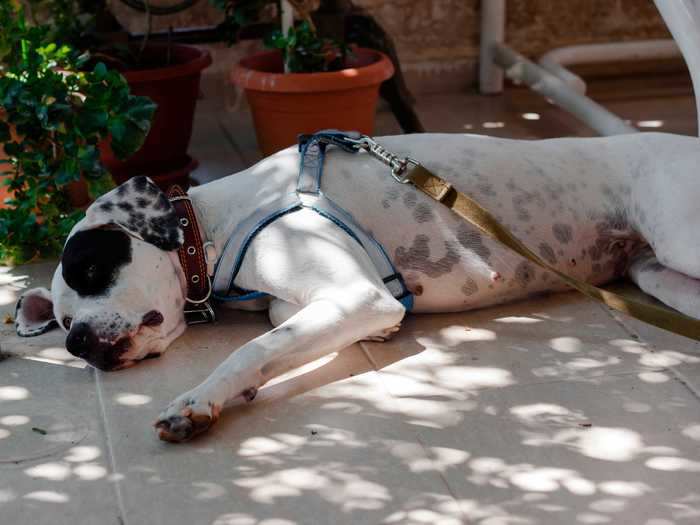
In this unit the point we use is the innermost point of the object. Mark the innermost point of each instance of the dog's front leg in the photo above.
(327, 324)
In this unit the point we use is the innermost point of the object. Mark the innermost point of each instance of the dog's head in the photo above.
(119, 289)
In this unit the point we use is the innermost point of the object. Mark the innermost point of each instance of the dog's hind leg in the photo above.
(673, 288)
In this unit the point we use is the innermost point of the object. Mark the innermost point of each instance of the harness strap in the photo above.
(443, 192)
(308, 194)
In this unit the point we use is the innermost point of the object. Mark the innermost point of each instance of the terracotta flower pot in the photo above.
(175, 89)
(285, 105)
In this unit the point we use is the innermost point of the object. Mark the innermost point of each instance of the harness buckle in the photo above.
(401, 171)
(397, 164)
(202, 313)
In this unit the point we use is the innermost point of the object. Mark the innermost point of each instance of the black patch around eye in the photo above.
(92, 258)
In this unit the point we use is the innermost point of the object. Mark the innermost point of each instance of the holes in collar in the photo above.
(191, 250)
(184, 222)
(195, 279)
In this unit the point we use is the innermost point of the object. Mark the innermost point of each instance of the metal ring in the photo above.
(195, 279)
(184, 222)
(206, 298)
(191, 250)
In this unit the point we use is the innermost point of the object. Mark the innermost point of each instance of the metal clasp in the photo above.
(200, 301)
(398, 165)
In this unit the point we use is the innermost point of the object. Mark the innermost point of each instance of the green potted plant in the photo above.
(307, 82)
(167, 73)
(53, 117)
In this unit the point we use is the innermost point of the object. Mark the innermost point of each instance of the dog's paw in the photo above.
(383, 335)
(186, 417)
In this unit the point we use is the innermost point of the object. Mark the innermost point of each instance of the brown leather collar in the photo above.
(193, 260)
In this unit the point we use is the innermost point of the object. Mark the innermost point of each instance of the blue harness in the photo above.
(308, 195)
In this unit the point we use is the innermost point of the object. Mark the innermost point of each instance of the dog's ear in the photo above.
(34, 313)
(142, 209)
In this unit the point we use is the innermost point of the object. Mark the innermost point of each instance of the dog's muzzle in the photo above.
(83, 342)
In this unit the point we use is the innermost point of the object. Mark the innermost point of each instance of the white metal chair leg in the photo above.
(683, 20)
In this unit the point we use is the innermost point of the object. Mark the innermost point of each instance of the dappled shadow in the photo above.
(541, 411)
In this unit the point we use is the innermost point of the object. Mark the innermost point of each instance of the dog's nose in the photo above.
(81, 340)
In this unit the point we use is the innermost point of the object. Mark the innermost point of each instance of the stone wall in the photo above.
(438, 40)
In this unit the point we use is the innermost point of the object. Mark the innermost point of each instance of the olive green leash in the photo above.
(410, 171)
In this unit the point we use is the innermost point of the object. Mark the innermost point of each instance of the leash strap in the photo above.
(193, 260)
(443, 192)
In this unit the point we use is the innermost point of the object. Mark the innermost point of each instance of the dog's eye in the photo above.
(67, 321)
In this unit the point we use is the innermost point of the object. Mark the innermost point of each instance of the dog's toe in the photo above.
(177, 429)
(185, 418)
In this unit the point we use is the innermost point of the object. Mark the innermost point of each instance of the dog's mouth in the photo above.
(110, 356)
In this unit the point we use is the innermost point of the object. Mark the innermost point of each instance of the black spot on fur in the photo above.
(562, 232)
(140, 183)
(524, 273)
(92, 259)
(125, 206)
(472, 240)
(547, 253)
(470, 287)
(107, 206)
(142, 203)
(423, 213)
(410, 198)
(417, 257)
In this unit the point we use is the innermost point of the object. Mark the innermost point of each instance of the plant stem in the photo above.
(287, 22)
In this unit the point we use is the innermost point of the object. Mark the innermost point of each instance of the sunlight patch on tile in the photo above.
(48, 496)
(132, 400)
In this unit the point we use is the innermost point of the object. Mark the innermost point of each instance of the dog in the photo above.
(595, 208)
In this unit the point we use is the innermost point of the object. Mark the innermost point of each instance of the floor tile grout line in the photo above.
(368, 355)
(228, 137)
(682, 379)
(110, 448)
(677, 374)
(416, 435)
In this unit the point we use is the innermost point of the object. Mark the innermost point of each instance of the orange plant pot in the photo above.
(285, 105)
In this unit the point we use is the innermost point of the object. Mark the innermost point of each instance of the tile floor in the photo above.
(550, 411)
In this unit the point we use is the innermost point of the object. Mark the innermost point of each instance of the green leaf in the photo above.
(68, 171)
(100, 70)
(92, 119)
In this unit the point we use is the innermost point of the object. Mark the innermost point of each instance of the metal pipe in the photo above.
(556, 60)
(521, 70)
(683, 20)
(493, 29)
